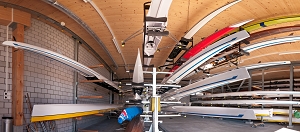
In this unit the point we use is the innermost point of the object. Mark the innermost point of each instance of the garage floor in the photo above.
(196, 124)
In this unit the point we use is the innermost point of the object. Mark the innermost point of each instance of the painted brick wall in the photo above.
(48, 81)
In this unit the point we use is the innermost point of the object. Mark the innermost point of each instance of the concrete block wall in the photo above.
(48, 81)
(5, 105)
(91, 89)
(45, 80)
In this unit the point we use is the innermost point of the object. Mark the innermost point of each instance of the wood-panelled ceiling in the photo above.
(126, 17)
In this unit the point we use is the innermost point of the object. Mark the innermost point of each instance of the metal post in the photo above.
(154, 82)
(228, 87)
(75, 85)
(263, 89)
(110, 97)
(155, 112)
(262, 107)
(291, 96)
(250, 82)
(263, 79)
(249, 89)
(242, 83)
(222, 88)
(111, 93)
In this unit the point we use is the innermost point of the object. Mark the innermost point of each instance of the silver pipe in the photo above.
(133, 35)
(84, 25)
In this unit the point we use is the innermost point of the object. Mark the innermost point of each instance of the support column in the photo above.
(18, 78)
(291, 96)
(75, 82)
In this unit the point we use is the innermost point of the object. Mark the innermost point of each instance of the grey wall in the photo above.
(48, 81)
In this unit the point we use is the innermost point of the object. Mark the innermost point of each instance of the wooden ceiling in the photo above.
(126, 17)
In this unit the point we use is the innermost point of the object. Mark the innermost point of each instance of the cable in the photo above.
(133, 35)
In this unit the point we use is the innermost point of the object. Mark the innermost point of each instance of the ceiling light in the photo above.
(123, 43)
(62, 23)
(129, 71)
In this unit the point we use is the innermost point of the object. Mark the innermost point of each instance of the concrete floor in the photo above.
(196, 124)
(108, 125)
